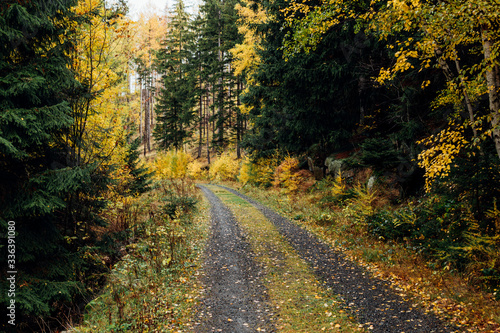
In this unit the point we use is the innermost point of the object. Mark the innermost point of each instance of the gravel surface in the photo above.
(372, 300)
(234, 298)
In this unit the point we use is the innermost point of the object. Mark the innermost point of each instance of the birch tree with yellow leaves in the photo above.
(103, 110)
(460, 38)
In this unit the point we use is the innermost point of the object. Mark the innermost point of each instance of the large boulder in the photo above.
(316, 171)
(335, 166)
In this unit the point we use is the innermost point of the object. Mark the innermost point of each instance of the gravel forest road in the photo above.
(235, 298)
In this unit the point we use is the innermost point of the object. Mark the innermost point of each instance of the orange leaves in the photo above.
(290, 178)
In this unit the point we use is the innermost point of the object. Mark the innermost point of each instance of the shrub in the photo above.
(289, 177)
(340, 192)
(392, 225)
(246, 171)
(445, 232)
(225, 167)
(195, 170)
(263, 171)
(171, 165)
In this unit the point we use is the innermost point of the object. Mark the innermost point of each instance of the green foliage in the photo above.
(444, 231)
(54, 177)
(294, 103)
(177, 198)
(140, 173)
(35, 113)
(474, 179)
(336, 191)
(378, 153)
(176, 101)
(216, 34)
(144, 288)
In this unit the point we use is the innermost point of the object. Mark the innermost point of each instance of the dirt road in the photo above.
(240, 295)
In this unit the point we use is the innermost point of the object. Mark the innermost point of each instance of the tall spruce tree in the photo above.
(219, 34)
(177, 98)
(35, 85)
(307, 102)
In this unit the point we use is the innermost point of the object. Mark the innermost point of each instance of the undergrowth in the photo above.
(149, 289)
(432, 254)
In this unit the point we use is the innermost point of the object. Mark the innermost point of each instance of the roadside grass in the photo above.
(300, 301)
(443, 292)
(153, 287)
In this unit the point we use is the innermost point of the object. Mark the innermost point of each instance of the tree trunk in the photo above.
(468, 103)
(238, 120)
(200, 128)
(493, 81)
(146, 122)
(140, 110)
(207, 120)
(450, 77)
(220, 101)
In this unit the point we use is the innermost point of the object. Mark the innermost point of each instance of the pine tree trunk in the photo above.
(153, 95)
(238, 119)
(140, 110)
(220, 101)
(493, 81)
(207, 118)
(200, 127)
(146, 123)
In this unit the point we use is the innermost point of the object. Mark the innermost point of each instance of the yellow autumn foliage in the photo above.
(259, 172)
(195, 170)
(245, 175)
(225, 167)
(339, 187)
(102, 120)
(171, 164)
(285, 175)
(442, 149)
(290, 178)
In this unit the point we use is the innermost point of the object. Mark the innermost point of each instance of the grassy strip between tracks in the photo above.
(300, 303)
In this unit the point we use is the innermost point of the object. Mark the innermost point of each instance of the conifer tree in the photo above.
(219, 34)
(176, 102)
(303, 103)
(35, 87)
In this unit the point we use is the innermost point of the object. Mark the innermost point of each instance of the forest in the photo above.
(384, 114)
